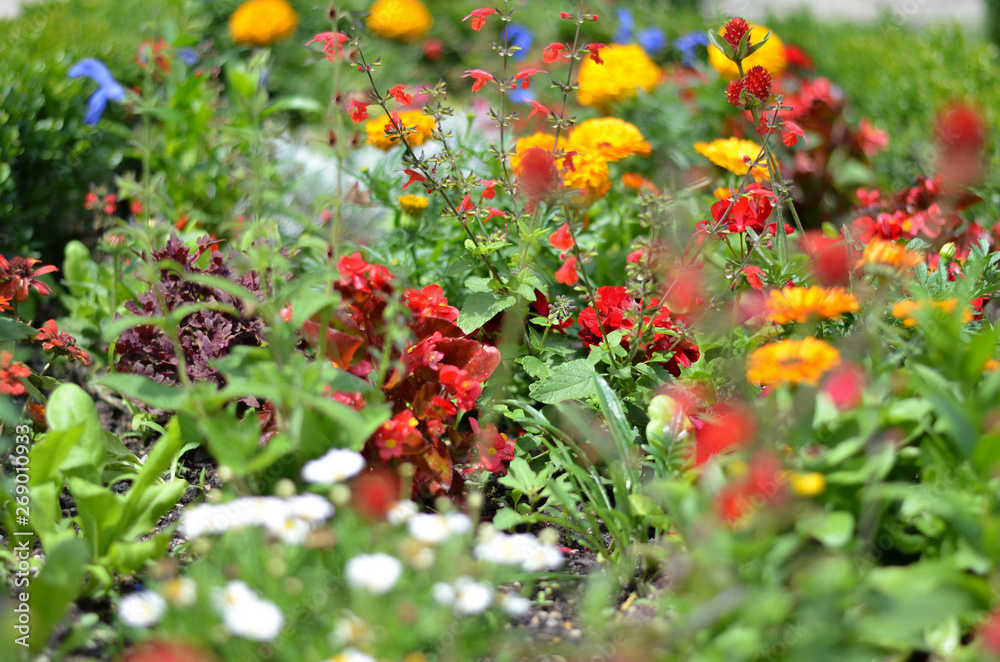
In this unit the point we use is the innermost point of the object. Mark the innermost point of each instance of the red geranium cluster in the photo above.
(439, 373)
(619, 310)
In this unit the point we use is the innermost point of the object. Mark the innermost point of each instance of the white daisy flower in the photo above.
(377, 573)
(337, 465)
(141, 609)
(246, 615)
(351, 655)
(401, 512)
(521, 549)
(435, 529)
(465, 595)
(180, 591)
(514, 605)
(310, 507)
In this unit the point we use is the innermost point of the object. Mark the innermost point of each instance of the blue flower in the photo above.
(687, 45)
(652, 40)
(108, 88)
(517, 95)
(625, 26)
(188, 56)
(519, 35)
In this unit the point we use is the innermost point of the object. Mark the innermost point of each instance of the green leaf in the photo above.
(833, 529)
(572, 380)
(481, 307)
(507, 518)
(302, 104)
(98, 511)
(534, 367)
(719, 42)
(69, 407)
(11, 329)
(56, 586)
(143, 389)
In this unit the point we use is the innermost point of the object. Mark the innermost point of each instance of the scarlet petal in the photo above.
(753, 275)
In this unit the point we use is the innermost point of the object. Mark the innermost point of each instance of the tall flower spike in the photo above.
(108, 88)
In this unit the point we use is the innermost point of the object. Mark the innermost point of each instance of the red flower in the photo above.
(10, 372)
(465, 390)
(536, 172)
(871, 140)
(797, 57)
(831, 259)
(110, 203)
(374, 493)
(553, 52)
(734, 30)
(490, 191)
(352, 265)
(91, 201)
(750, 210)
(493, 212)
(729, 427)
(481, 78)
(18, 275)
(414, 177)
(333, 44)
(989, 634)
(561, 239)
(635, 256)
(791, 132)
(566, 274)
(53, 339)
(494, 447)
(753, 275)
(359, 111)
(566, 14)
(845, 386)
(478, 17)
(733, 92)
(430, 302)
(400, 95)
(525, 76)
(757, 82)
(595, 54)
(398, 433)
(466, 206)
(161, 651)
(537, 108)
(762, 486)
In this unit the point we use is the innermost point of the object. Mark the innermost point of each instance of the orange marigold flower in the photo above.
(586, 171)
(883, 256)
(418, 129)
(402, 20)
(263, 22)
(612, 138)
(792, 362)
(909, 310)
(800, 304)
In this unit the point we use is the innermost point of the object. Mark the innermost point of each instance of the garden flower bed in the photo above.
(412, 333)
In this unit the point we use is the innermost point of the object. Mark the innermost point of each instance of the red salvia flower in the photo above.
(414, 177)
(490, 191)
(566, 274)
(553, 52)
(734, 30)
(400, 95)
(11, 373)
(525, 76)
(465, 205)
(359, 111)
(757, 82)
(595, 53)
(791, 132)
(478, 17)
(538, 108)
(481, 77)
(566, 14)
(333, 44)
(561, 239)
(494, 212)
(635, 256)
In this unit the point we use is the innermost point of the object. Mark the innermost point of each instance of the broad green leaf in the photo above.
(833, 529)
(56, 586)
(143, 389)
(98, 509)
(569, 381)
(481, 307)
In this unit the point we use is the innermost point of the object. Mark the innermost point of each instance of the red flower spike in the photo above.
(414, 177)
(400, 95)
(359, 111)
(538, 108)
(553, 52)
(525, 76)
(466, 204)
(478, 17)
(561, 239)
(733, 91)
(566, 274)
(734, 30)
(481, 77)
(493, 212)
(595, 52)
(757, 82)
(333, 44)
(490, 191)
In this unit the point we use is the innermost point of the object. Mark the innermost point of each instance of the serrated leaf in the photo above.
(481, 307)
(569, 381)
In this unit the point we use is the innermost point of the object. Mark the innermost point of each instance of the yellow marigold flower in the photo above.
(546, 141)
(799, 304)
(612, 138)
(791, 362)
(771, 56)
(262, 22)
(589, 175)
(724, 193)
(729, 153)
(420, 126)
(625, 70)
(414, 205)
(908, 310)
(807, 485)
(402, 20)
(888, 256)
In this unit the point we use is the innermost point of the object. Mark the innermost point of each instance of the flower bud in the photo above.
(948, 251)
